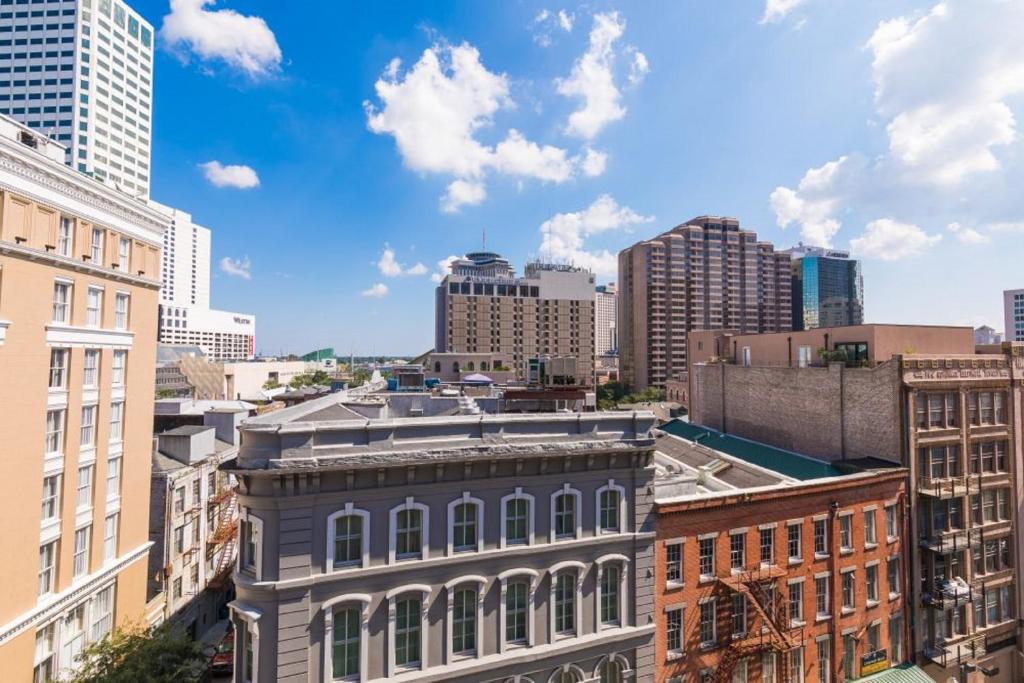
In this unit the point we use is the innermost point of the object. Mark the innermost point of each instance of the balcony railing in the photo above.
(948, 594)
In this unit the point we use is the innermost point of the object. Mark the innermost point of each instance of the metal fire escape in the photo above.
(771, 630)
(224, 537)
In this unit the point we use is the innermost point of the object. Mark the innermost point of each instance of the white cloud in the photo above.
(638, 67)
(243, 42)
(564, 234)
(776, 10)
(815, 201)
(389, 266)
(239, 177)
(890, 240)
(434, 111)
(592, 79)
(967, 235)
(545, 23)
(566, 20)
(443, 268)
(237, 267)
(943, 80)
(594, 162)
(377, 291)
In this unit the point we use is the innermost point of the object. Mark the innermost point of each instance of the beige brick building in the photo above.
(79, 276)
(706, 274)
(483, 307)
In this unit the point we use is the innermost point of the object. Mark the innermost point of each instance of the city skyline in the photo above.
(327, 145)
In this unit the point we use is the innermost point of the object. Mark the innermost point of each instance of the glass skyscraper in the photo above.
(828, 288)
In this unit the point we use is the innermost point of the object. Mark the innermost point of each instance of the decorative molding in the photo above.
(69, 263)
(91, 337)
(57, 603)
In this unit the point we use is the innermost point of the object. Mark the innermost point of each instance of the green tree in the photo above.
(165, 393)
(308, 379)
(135, 654)
(271, 384)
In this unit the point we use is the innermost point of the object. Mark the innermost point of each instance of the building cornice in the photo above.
(92, 337)
(58, 602)
(56, 260)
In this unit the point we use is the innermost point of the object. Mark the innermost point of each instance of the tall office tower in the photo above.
(82, 72)
(706, 274)
(606, 338)
(79, 276)
(482, 307)
(185, 314)
(1013, 310)
(828, 288)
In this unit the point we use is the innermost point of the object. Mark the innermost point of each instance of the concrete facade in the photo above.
(382, 596)
(79, 277)
(606, 336)
(1013, 315)
(706, 274)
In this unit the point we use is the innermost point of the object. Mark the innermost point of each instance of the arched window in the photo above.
(611, 591)
(465, 524)
(407, 626)
(612, 669)
(455, 367)
(516, 607)
(348, 538)
(345, 637)
(566, 604)
(470, 366)
(437, 366)
(611, 508)
(465, 616)
(409, 532)
(484, 366)
(569, 673)
(566, 515)
(517, 518)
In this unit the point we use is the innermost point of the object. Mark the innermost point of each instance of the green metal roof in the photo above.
(791, 464)
(904, 673)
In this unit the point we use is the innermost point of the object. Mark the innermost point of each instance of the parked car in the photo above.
(223, 661)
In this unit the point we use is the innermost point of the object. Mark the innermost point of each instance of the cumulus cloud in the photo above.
(239, 177)
(434, 112)
(244, 43)
(943, 80)
(565, 20)
(594, 162)
(891, 240)
(814, 203)
(638, 66)
(377, 291)
(237, 267)
(564, 234)
(967, 235)
(592, 79)
(776, 10)
(443, 268)
(389, 266)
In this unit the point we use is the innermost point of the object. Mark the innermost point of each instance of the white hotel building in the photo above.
(185, 314)
(82, 71)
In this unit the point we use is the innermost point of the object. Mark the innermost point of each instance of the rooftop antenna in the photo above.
(483, 240)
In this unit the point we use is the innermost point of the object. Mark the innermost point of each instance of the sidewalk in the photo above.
(215, 633)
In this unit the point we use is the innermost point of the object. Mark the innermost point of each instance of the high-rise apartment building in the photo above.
(1013, 312)
(706, 274)
(82, 72)
(466, 549)
(79, 282)
(828, 288)
(186, 318)
(606, 337)
(483, 307)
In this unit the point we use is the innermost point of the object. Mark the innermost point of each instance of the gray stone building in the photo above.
(506, 548)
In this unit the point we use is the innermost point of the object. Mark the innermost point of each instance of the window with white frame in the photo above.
(45, 667)
(62, 302)
(824, 644)
(54, 431)
(110, 523)
(674, 629)
(465, 524)
(796, 601)
(96, 247)
(871, 583)
(737, 549)
(102, 613)
(611, 508)
(708, 622)
(59, 368)
(769, 667)
(612, 669)
(408, 631)
(91, 369)
(517, 518)
(116, 421)
(47, 567)
(80, 561)
(51, 497)
(516, 608)
(124, 254)
(117, 366)
(87, 432)
(821, 603)
(179, 500)
(891, 525)
(465, 601)
(738, 620)
(65, 236)
(348, 540)
(846, 533)
(674, 563)
(346, 643)
(121, 311)
(565, 603)
(796, 664)
(610, 595)
(249, 647)
(706, 557)
(794, 542)
(821, 537)
(767, 545)
(250, 556)
(83, 494)
(409, 531)
(73, 633)
(870, 534)
(565, 514)
(849, 590)
(892, 566)
(94, 307)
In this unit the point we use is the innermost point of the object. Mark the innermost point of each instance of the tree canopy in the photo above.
(136, 654)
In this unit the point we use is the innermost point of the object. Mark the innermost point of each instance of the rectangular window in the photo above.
(565, 516)
(62, 303)
(176, 591)
(102, 613)
(796, 602)
(124, 251)
(516, 599)
(348, 540)
(96, 247)
(896, 638)
(408, 534)
(737, 550)
(609, 512)
(824, 660)
(64, 236)
(871, 582)
(408, 622)
(117, 367)
(88, 429)
(674, 563)
(80, 561)
(846, 532)
(708, 623)
(83, 496)
(707, 557)
(91, 371)
(739, 615)
(54, 431)
(47, 567)
(110, 537)
(821, 603)
(121, 311)
(179, 539)
(674, 630)
(517, 518)
(179, 500)
(565, 603)
(767, 546)
(820, 537)
(849, 597)
(464, 527)
(849, 656)
(116, 421)
(59, 368)
(794, 542)
(870, 536)
(94, 307)
(891, 527)
(113, 477)
(51, 497)
(610, 595)
(893, 572)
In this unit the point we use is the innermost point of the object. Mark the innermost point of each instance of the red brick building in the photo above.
(790, 573)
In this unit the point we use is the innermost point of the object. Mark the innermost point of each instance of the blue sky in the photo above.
(573, 130)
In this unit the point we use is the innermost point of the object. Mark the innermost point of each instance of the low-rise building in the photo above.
(465, 548)
(772, 566)
(193, 523)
